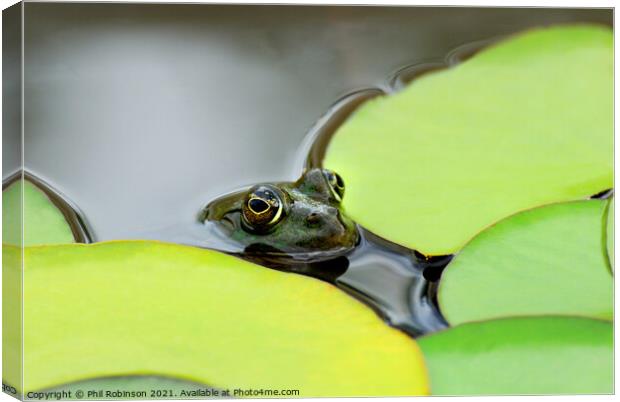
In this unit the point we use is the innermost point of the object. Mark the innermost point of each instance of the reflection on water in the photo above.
(390, 278)
(196, 234)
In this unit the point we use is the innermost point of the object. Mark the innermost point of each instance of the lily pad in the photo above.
(43, 222)
(132, 387)
(524, 123)
(12, 302)
(147, 308)
(609, 234)
(534, 355)
(12, 214)
(546, 261)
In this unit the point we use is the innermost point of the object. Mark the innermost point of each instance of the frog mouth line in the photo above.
(258, 251)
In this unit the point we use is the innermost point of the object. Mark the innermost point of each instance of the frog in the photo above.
(301, 220)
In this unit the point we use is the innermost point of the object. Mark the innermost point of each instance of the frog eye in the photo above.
(336, 183)
(262, 208)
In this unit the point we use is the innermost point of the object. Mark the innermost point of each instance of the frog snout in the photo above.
(313, 219)
(325, 217)
(217, 209)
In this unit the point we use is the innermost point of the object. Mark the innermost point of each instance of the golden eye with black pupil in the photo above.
(258, 206)
(336, 183)
(262, 208)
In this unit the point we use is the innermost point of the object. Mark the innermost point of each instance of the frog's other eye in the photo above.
(262, 208)
(335, 182)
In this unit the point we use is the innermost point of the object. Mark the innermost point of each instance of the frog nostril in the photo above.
(313, 219)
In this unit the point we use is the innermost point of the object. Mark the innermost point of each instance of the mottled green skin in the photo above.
(313, 220)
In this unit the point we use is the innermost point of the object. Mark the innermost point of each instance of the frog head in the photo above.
(304, 217)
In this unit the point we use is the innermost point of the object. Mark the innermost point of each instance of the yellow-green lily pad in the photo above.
(44, 223)
(545, 261)
(136, 387)
(12, 302)
(524, 123)
(147, 308)
(533, 355)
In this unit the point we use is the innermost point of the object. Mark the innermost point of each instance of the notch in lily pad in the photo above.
(49, 216)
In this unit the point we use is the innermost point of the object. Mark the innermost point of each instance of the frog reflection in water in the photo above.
(302, 220)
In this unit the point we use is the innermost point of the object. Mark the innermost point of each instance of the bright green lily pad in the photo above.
(524, 123)
(609, 234)
(43, 222)
(12, 214)
(546, 261)
(534, 355)
(147, 308)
